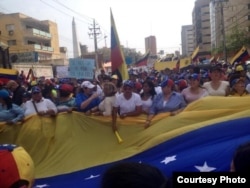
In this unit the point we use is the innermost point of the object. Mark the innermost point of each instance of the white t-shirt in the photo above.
(42, 106)
(128, 105)
(190, 97)
(146, 104)
(221, 91)
(106, 105)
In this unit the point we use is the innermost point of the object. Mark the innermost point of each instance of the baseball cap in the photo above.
(239, 68)
(66, 87)
(194, 76)
(236, 80)
(35, 89)
(87, 84)
(167, 82)
(114, 77)
(4, 93)
(17, 167)
(129, 83)
(215, 68)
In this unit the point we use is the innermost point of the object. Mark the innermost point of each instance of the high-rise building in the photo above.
(76, 44)
(228, 16)
(187, 40)
(150, 45)
(29, 39)
(201, 23)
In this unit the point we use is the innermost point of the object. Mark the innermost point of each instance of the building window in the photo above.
(11, 42)
(10, 27)
(248, 5)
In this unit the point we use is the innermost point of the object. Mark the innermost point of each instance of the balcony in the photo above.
(38, 33)
(38, 47)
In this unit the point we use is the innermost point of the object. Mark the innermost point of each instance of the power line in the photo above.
(90, 19)
(62, 11)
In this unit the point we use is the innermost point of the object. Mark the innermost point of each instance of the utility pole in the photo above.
(94, 32)
(105, 40)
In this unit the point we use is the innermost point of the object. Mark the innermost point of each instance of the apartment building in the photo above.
(202, 29)
(228, 15)
(29, 40)
(187, 40)
(150, 45)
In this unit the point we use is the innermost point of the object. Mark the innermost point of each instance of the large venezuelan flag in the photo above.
(73, 150)
(118, 63)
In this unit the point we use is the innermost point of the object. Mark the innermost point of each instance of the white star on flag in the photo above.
(169, 159)
(41, 186)
(205, 168)
(91, 177)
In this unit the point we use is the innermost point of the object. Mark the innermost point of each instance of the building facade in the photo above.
(226, 17)
(187, 40)
(29, 40)
(202, 30)
(150, 45)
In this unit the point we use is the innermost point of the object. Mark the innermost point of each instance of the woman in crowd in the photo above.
(127, 103)
(147, 95)
(238, 88)
(217, 86)
(167, 101)
(106, 106)
(194, 91)
(9, 112)
(87, 98)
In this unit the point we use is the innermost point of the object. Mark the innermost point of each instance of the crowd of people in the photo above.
(148, 92)
(145, 92)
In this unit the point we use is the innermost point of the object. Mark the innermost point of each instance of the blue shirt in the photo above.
(175, 102)
(16, 113)
(80, 97)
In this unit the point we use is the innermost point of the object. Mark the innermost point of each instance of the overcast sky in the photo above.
(134, 19)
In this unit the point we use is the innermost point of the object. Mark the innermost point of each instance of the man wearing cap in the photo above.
(87, 100)
(39, 105)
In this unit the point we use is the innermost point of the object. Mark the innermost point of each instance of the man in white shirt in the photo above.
(39, 105)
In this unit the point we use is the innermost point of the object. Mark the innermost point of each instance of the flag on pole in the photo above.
(118, 63)
(195, 54)
(241, 56)
(143, 61)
